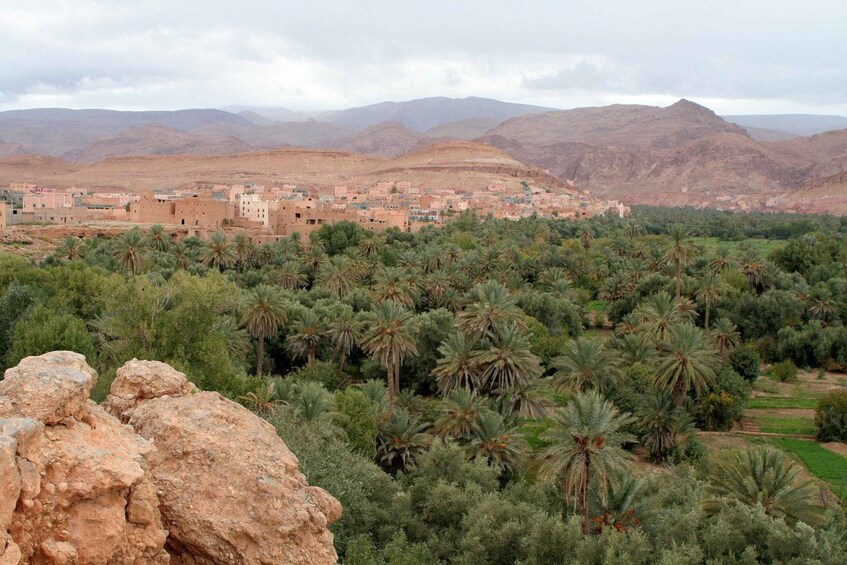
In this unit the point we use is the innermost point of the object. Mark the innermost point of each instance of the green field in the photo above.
(595, 306)
(760, 246)
(781, 402)
(824, 464)
(784, 425)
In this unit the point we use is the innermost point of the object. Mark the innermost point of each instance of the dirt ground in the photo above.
(836, 447)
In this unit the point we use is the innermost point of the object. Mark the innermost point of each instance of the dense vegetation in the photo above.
(478, 393)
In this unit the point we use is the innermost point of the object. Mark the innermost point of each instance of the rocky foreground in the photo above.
(161, 473)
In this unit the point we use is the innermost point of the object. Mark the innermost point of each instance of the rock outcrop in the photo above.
(69, 470)
(229, 489)
(164, 474)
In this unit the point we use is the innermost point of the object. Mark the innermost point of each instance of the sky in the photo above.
(736, 57)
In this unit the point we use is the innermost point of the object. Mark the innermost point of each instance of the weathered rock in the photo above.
(138, 381)
(230, 491)
(77, 486)
(27, 433)
(49, 387)
(69, 484)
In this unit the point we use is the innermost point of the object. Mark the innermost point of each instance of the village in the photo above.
(271, 212)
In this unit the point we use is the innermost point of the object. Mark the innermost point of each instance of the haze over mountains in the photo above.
(683, 154)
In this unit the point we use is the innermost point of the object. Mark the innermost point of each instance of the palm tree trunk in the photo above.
(678, 392)
(678, 279)
(707, 314)
(397, 380)
(261, 356)
(584, 494)
(311, 355)
(390, 381)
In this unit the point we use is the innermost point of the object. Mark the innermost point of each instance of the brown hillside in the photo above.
(464, 129)
(461, 165)
(388, 139)
(157, 140)
(619, 125)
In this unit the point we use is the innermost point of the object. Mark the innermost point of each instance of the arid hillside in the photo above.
(158, 140)
(387, 139)
(683, 154)
(460, 165)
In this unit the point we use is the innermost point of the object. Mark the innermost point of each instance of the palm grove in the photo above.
(479, 393)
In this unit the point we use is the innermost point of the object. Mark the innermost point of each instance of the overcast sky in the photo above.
(739, 56)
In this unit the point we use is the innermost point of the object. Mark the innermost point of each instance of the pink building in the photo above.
(48, 200)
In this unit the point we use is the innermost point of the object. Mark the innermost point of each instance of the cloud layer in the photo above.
(736, 57)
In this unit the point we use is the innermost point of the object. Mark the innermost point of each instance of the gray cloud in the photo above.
(747, 56)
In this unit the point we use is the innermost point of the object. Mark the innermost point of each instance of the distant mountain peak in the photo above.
(683, 105)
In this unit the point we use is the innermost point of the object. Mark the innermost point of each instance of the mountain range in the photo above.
(682, 154)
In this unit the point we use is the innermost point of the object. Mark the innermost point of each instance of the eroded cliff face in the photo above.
(162, 473)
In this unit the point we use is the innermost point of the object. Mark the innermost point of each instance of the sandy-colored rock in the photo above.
(138, 381)
(78, 486)
(230, 491)
(10, 481)
(69, 483)
(27, 433)
(50, 387)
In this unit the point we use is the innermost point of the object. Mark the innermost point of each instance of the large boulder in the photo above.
(138, 381)
(230, 491)
(69, 471)
(49, 387)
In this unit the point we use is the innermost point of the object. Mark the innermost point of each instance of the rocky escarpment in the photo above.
(164, 473)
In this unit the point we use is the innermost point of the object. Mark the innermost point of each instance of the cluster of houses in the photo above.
(276, 211)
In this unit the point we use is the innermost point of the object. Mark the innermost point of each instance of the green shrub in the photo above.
(47, 330)
(354, 415)
(831, 416)
(746, 362)
(321, 372)
(785, 372)
(717, 411)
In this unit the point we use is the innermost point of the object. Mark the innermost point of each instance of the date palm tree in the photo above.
(184, 256)
(130, 251)
(821, 305)
(264, 313)
(491, 307)
(307, 333)
(587, 437)
(371, 246)
(659, 313)
(290, 276)
(586, 363)
(725, 335)
(635, 348)
(458, 367)
(157, 238)
(460, 413)
(401, 440)
(766, 477)
(689, 362)
(335, 277)
(498, 442)
(345, 332)
(679, 254)
(710, 292)
(389, 340)
(243, 249)
(71, 248)
(508, 362)
(663, 426)
(721, 261)
(219, 254)
(393, 285)
(754, 269)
